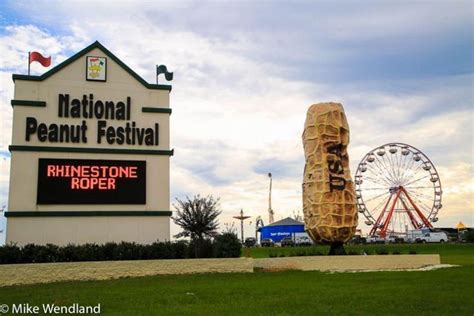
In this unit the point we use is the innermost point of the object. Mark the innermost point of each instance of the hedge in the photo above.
(32, 253)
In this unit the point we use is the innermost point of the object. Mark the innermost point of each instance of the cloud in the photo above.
(245, 74)
(280, 168)
(6, 112)
(18, 40)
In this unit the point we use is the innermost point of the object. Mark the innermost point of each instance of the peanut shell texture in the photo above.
(329, 207)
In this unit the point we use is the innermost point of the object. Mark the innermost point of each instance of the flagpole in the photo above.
(29, 53)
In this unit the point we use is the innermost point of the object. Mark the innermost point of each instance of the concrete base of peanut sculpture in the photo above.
(329, 199)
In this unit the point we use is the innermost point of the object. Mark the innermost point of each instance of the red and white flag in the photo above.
(44, 61)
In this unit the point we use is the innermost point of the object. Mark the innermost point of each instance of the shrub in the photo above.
(381, 251)
(127, 251)
(181, 249)
(90, 252)
(298, 253)
(314, 252)
(200, 248)
(227, 245)
(10, 254)
(224, 246)
(108, 250)
(159, 250)
(36, 253)
(469, 236)
(367, 251)
(48, 253)
(396, 251)
(28, 253)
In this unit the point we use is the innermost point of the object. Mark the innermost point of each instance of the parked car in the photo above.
(250, 242)
(303, 241)
(375, 240)
(267, 242)
(395, 239)
(358, 240)
(287, 242)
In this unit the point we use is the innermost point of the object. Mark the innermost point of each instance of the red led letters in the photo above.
(91, 177)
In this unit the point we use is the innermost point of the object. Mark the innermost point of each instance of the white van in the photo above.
(426, 235)
(302, 239)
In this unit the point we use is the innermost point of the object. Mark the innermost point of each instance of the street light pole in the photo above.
(270, 211)
(241, 218)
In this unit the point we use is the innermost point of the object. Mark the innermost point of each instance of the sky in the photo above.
(245, 73)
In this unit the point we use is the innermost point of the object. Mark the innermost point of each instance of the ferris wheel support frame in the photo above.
(412, 218)
(379, 219)
(417, 210)
(389, 216)
(383, 232)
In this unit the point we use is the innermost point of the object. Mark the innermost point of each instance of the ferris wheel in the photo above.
(397, 189)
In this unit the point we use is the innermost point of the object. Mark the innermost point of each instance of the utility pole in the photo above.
(270, 211)
(241, 218)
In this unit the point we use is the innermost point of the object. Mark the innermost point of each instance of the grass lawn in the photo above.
(439, 292)
(450, 253)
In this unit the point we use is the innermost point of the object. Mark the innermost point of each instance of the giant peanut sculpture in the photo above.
(329, 206)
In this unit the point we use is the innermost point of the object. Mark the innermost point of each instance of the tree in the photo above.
(198, 219)
(469, 236)
(227, 245)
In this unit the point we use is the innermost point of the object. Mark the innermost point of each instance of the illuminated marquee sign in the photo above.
(80, 181)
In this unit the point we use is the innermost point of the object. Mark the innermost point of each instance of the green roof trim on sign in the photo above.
(146, 109)
(78, 55)
(86, 213)
(92, 150)
(28, 103)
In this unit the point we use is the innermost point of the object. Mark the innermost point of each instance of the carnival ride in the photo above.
(397, 187)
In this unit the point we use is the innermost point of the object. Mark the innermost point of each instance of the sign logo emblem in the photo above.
(96, 68)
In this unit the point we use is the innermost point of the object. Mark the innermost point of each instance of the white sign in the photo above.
(96, 68)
